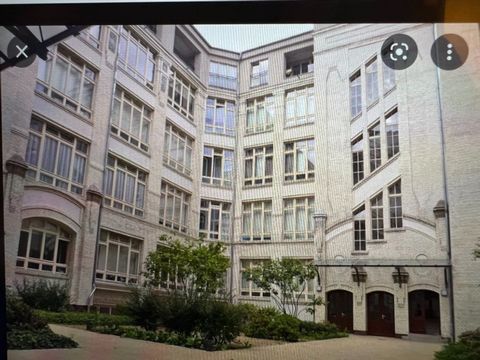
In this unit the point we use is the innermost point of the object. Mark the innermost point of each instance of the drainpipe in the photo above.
(235, 167)
(94, 286)
(445, 194)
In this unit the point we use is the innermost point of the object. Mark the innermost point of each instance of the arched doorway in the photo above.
(424, 312)
(340, 309)
(380, 314)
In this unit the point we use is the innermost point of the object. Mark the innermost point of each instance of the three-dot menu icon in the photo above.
(449, 51)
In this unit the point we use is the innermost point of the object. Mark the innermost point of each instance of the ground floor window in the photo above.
(118, 258)
(43, 246)
(247, 287)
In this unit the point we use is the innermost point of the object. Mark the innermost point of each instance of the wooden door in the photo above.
(380, 314)
(424, 312)
(340, 309)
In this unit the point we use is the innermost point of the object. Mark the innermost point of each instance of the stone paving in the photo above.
(356, 347)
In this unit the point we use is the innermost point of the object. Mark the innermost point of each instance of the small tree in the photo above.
(199, 268)
(286, 280)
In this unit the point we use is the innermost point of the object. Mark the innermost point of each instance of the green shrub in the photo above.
(44, 295)
(145, 308)
(39, 339)
(25, 330)
(83, 318)
(467, 348)
(284, 327)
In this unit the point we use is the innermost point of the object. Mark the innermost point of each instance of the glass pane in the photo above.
(44, 69)
(130, 189)
(62, 252)
(136, 119)
(33, 147)
(140, 195)
(102, 252)
(78, 169)
(142, 61)
(215, 220)
(73, 83)
(300, 225)
(132, 53)
(63, 164)
(87, 94)
(35, 244)
(126, 114)
(22, 246)
(123, 259)
(133, 263)
(108, 182)
(145, 130)
(116, 112)
(49, 246)
(112, 257)
(49, 154)
(59, 75)
(119, 185)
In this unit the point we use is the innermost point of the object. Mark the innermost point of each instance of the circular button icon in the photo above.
(18, 50)
(449, 51)
(399, 51)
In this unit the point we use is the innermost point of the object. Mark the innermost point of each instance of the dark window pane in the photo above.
(35, 244)
(62, 252)
(49, 247)
(22, 246)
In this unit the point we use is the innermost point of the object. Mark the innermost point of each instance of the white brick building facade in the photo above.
(338, 158)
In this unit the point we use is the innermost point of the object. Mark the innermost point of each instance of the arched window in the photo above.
(43, 246)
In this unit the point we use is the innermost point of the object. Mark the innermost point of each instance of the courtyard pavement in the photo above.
(356, 347)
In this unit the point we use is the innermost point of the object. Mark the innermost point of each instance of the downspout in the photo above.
(235, 167)
(445, 194)
(94, 286)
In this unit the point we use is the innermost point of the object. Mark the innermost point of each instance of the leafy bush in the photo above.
(83, 318)
(25, 330)
(44, 295)
(39, 339)
(467, 348)
(145, 308)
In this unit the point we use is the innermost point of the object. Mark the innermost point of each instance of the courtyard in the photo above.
(98, 346)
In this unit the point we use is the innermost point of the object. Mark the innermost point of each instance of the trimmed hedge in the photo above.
(21, 339)
(44, 295)
(83, 318)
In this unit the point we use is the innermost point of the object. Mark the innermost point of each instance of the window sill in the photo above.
(77, 115)
(290, 182)
(188, 177)
(359, 252)
(220, 134)
(394, 230)
(190, 121)
(79, 199)
(121, 212)
(253, 242)
(256, 186)
(257, 132)
(306, 124)
(255, 298)
(373, 242)
(376, 171)
(111, 285)
(174, 231)
(40, 273)
(227, 187)
(358, 116)
(125, 72)
(123, 141)
(372, 105)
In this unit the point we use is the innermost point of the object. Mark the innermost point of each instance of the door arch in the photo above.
(340, 309)
(424, 312)
(380, 314)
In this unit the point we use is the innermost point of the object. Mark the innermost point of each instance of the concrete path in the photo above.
(355, 347)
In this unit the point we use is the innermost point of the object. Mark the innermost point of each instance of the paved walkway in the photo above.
(106, 347)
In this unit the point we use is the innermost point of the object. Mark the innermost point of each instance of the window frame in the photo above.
(359, 228)
(371, 77)
(177, 80)
(215, 153)
(228, 108)
(392, 132)
(293, 96)
(395, 206)
(117, 276)
(375, 146)
(377, 217)
(355, 86)
(170, 191)
(224, 212)
(172, 132)
(252, 291)
(253, 106)
(124, 98)
(88, 74)
(295, 175)
(358, 159)
(39, 173)
(90, 38)
(110, 198)
(253, 155)
(259, 77)
(308, 204)
(227, 79)
(248, 210)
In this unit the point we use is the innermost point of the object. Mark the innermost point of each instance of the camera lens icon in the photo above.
(399, 51)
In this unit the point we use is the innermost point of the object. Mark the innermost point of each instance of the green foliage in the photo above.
(25, 330)
(467, 348)
(285, 279)
(269, 323)
(44, 295)
(145, 308)
(83, 318)
(21, 339)
(199, 268)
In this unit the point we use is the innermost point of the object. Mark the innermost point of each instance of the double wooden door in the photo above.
(380, 314)
(340, 309)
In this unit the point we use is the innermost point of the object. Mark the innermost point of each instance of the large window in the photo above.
(131, 119)
(257, 221)
(92, 35)
(259, 75)
(357, 158)
(391, 127)
(56, 157)
(300, 106)
(259, 165)
(306, 289)
(298, 218)
(222, 76)
(299, 160)
(388, 78)
(395, 200)
(359, 231)
(355, 94)
(247, 287)
(220, 116)
(372, 81)
(133, 55)
(181, 95)
(177, 150)
(118, 258)
(43, 246)
(68, 81)
(374, 146)
(214, 220)
(217, 166)
(124, 186)
(260, 113)
(168, 280)
(174, 207)
(376, 208)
